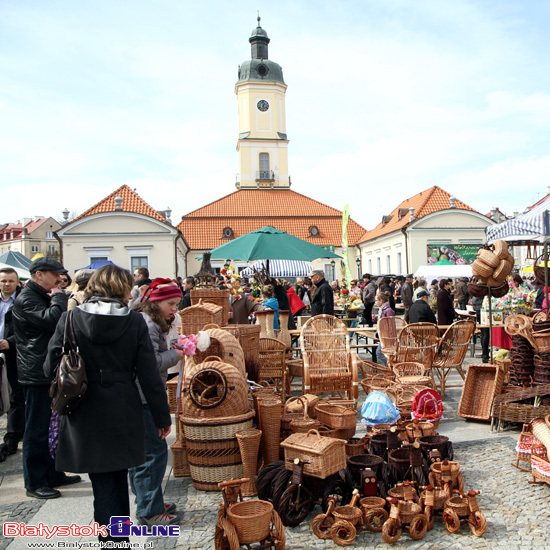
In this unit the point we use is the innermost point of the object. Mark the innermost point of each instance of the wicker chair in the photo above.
(329, 364)
(272, 365)
(388, 330)
(418, 343)
(452, 350)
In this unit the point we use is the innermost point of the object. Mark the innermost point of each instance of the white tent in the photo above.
(430, 272)
(23, 273)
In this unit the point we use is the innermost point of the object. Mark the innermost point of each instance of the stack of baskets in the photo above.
(215, 407)
(213, 296)
(522, 368)
(541, 373)
(249, 339)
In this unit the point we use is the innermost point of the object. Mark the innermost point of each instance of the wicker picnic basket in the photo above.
(324, 456)
(336, 416)
(212, 296)
(194, 318)
(180, 464)
(214, 390)
(222, 345)
(213, 449)
(251, 519)
(249, 339)
(482, 384)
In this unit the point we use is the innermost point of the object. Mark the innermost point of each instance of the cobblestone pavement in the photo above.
(517, 512)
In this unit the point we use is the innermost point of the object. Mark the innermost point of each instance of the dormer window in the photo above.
(227, 233)
(314, 231)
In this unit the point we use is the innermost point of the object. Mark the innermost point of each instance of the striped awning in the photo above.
(280, 268)
(531, 226)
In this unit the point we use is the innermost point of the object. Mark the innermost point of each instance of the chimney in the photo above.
(65, 214)
(166, 213)
(411, 212)
(26, 221)
(494, 214)
(118, 203)
(516, 214)
(452, 200)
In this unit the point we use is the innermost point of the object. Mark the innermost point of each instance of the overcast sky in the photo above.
(385, 98)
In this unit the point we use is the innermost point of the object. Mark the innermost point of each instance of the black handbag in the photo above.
(70, 382)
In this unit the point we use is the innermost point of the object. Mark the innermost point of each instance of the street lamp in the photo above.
(358, 262)
(333, 264)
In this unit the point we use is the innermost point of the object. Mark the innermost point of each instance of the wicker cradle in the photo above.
(213, 449)
(223, 345)
(214, 390)
(194, 318)
(212, 296)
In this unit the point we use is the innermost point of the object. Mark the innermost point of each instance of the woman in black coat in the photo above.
(105, 435)
(445, 305)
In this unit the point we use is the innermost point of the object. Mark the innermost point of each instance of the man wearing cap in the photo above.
(321, 295)
(420, 311)
(36, 312)
(407, 295)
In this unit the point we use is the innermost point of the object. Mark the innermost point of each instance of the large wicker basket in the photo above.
(213, 449)
(324, 456)
(214, 390)
(194, 318)
(251, 519)
(223, 345)
(335, 416)
(483, 383)
(249, 339)
(218, 297)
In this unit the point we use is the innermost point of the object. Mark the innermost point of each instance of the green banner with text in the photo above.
(460, 254)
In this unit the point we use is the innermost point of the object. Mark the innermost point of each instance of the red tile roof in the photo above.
(424, 203)
(545, 198)
(250, 209)
(131, 202)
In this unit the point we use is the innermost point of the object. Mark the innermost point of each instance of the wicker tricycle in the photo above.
(404, 512)
(433, 499)
(339, 522)
(464, 509)
(245, 523)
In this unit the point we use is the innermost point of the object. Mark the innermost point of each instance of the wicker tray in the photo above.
(482, 384)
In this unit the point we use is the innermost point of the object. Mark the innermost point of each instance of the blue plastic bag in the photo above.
(378, 409)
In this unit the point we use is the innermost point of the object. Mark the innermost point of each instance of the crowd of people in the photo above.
(123, 325)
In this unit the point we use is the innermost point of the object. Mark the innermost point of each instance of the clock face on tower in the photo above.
(262, 105)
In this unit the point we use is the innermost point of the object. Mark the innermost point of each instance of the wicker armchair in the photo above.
(329, 364)
(418, 343)
(452, 350)
(388, 331)
(272, 365)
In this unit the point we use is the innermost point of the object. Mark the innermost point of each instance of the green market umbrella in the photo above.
(269, 243)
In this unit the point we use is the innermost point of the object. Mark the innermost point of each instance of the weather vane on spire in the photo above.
(259, 18)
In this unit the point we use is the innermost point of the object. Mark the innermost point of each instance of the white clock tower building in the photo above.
(263, 143)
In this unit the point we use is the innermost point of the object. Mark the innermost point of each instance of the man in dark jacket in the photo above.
(35, 315)
(407, 295)
(369, 294)
(188, 286)
(9, 290)
(420, 311)
(321, 294)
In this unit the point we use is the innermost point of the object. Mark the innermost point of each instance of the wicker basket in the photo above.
(419, 429)
(212, 296)
(439, 442)
(377, 382)
(357, 463)
(436, 470)
(249, 445)
(215, 390)
(348, 513)
(211, 442)
(478, 290)
(222, 345)
(171, 391)
(541, 340)
(194, 318)
(356, 446)
(408, 510)
(269, 418)
(296, 405)
(509, 407)
(483, 383)
(251, 519)
(538, 270)
(303, 424)
(335, 416)
(293, 410)
(440, 498)
(459, 505)
(400, 491)
(249, 339)
(180, 464)
(324, 456)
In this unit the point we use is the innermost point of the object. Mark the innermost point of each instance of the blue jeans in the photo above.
(146, 480)
(110, 499)
(380, 357)
(38, 466)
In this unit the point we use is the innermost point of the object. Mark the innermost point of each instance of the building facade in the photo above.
(31, 236)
